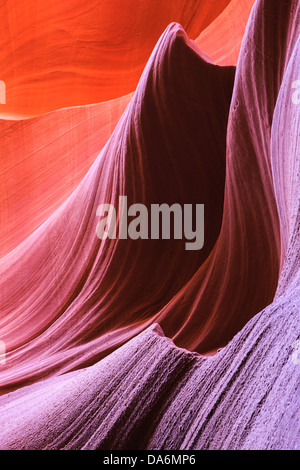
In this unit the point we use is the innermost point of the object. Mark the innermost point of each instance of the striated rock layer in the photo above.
(43, 160)
(52, 56)
(97, 294)
(194, 132)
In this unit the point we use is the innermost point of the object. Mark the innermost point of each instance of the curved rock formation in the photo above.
(193, 132)
(108, 291)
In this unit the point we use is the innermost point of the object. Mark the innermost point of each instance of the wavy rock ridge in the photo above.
(238, 153)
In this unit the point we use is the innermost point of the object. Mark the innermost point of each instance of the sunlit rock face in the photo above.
(141, 344)
(71, 53)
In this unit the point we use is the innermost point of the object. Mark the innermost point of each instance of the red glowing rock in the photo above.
(193, 132)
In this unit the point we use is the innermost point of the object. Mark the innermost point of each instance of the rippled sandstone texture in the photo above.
(193, 132)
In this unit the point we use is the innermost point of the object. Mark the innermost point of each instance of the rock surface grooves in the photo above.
(84, 314)
(168, 147)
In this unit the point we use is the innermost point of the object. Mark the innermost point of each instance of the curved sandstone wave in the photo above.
(96, 294)
(193, 132)
(46, 66)
(248, 251)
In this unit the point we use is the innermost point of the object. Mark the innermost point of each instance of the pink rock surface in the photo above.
(95, 295)
(42, 161)
(88, 366)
